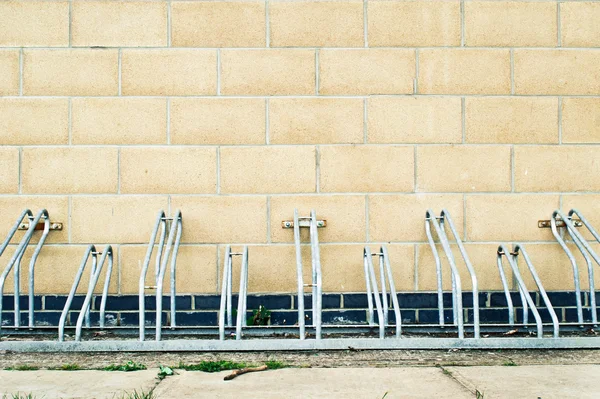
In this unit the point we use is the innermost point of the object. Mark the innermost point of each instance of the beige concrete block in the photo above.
(56, 268)
(553, 168)
(554, 268)
(512, 217)
(119, 219)
(507, 120)
(414, 120)
(366, 71)
(556, 72)
(69, 170)
(345, 215)
(414, 23)
(177, 170)
(25, 121)
(588, 205)
(454, 168)
(268, 72)
(217, 121)
(316, 120)
(9, 72)
(196, 271)
(580, 120)
(9, 164)
(34, 23)
(218, 24)
(119, 120)
(13, 205)
(402, 217)
(367, 168)
(71, 72)
(284, 169)
(464, 71)
(316, 23)
(222, 219)
(579, 24)
(510, 24)
(119, 23)
(483, 260)
(169, 72)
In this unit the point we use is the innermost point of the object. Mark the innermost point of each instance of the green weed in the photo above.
(129, 366)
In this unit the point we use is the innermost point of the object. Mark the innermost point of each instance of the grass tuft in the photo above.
(129, 366)
(212, 367)
(22, 367)
(19, 395)
(137, 395)
(509, 362)
(70, 367)
(274, 364)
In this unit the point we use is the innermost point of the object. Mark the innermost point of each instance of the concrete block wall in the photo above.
(236, 112)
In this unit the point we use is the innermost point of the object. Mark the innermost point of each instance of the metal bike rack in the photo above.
(373, 290)
(457, 307)
(524, 292)
(586, 251)
(94, 275)
(171, 244)
(15, 262)
(226, 294)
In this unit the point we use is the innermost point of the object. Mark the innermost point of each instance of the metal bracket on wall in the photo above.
(40, 226)
(546, 224)
(302, 222)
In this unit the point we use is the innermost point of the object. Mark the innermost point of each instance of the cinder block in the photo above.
(316, 23)
(366, 71)
(414, 120)
(460, 172)
(266, 169)
(176, 170)
(316, 120)
(483, 260)
(34, 23)
(464, 71)
(71, 72)
(510, 24)
(507, 120)
(268, 72)
(580, 120)
(556, 72)
(196, 270)
(588, 205)
(169, 72)
(579, 24)
(222, 219)
(118, 219)
(402, 217)
(345, 217)
(69, 170)
(557, 168)
(26, 121)
(57, 207)
(119, 24)
(217, 121)
(9, 72)
(413, 23)
(9, 164)
(512, 217)
(367, 169)
(119, 120)
(218, 24)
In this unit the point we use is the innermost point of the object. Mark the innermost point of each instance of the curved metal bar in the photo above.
(160, 280)
(314, 240)
(509, 302)
(299, 277)
(26, 213)
(580, 237)
(573, 262)
(142, 282)
(457, 290)
(438, 270)
(373, 280)
(85, 309)
(32, 262)
(538, 282)
(371, 311)
(91, 250)
(384, 300)
(502, 250)
(224, 291)
(242, 295)
(177, 219)
(388, 267)
(445, 216)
